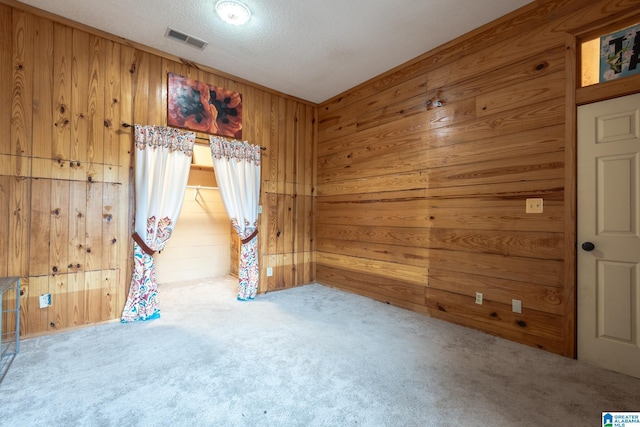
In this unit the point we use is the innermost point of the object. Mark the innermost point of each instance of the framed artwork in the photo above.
(202, 107)
(620, 54)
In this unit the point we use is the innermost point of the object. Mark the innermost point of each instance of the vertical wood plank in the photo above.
(157, 81)
(77, 225)
(6, 77)
(112, 103)
(33, 319)
(40, 227)
(79, 102)
(141, 89)
(126, 203)
(22, 93)
(110, 232)
(60, 220)
(76, 300)
(94, 220)
(92, 297)
(95, 107)
(5, 202)
(43, 89)
(63, 59)
(59, 309)
(107, 289)
(19, 208)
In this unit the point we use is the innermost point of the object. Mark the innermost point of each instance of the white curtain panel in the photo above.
(237, 168)
(163, 158)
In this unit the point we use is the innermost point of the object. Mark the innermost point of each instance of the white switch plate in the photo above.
(45, 300)
(516, 305)
(479, 298)
(534, 206)
(259, 208)
(269, 271)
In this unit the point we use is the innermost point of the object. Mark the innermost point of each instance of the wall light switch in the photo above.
(534, 206)
(479, 298)
(516, 305)
(269, 271)
(259, 208)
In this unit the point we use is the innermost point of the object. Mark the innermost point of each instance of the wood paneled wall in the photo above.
(200, 243)
(423, 175)
(66, 188)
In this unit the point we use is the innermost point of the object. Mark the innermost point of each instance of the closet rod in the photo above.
(127, 125)
(200, 187)
(197, 188)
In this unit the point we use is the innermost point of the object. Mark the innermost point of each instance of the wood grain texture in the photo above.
(62, 58)
(432, 162)
(59, 238)
(43, 87)
(66, 165)
(80, 124)
(40, 228)
(6, 75)
(5, 184)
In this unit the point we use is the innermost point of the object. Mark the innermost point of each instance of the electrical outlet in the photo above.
(269, 271)
(534, 206)
(516, 306)
(479, 298)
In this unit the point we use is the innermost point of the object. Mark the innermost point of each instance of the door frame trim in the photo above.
(574, 97)
(570, 327)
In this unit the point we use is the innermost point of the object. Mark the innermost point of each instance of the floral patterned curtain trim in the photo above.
(249, 269)
(158, 232)
(142, 303)
(234, 149)
(170, 138)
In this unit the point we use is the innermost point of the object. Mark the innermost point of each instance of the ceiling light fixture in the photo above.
(233, 12)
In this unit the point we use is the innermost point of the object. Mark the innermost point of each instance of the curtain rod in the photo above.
(127, 125)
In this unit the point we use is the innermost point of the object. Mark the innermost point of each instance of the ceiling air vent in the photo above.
(185, 38)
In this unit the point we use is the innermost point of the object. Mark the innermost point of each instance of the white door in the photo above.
(609, 234)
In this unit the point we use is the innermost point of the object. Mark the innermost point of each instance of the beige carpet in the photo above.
(310, 356)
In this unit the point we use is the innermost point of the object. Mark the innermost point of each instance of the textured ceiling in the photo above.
(311, 49)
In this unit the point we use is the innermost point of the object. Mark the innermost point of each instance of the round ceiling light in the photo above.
(233, 12)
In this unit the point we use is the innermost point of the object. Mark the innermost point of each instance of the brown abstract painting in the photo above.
(201, 107)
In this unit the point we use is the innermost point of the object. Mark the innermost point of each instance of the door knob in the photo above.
(588, 246)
